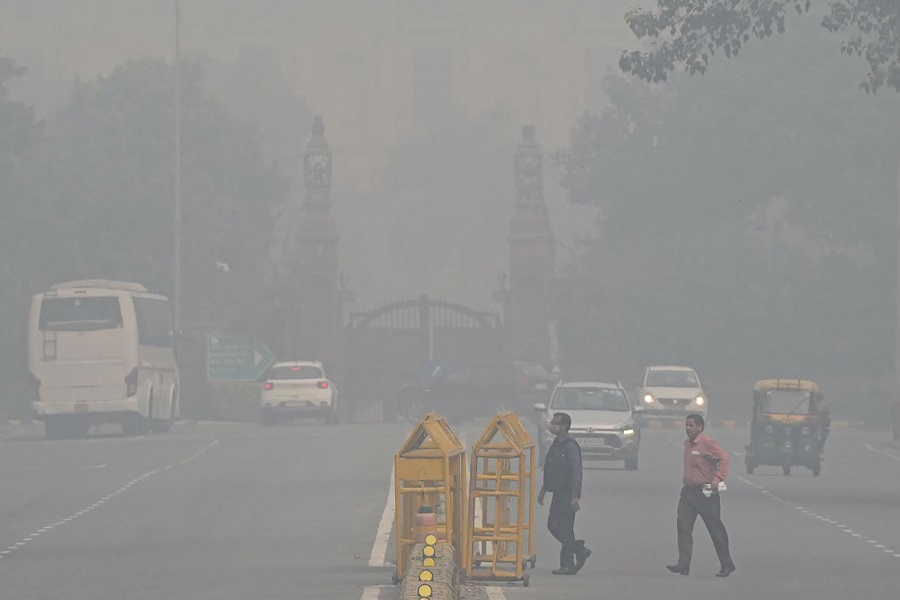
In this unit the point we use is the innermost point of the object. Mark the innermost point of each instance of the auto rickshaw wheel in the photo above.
(786, 469)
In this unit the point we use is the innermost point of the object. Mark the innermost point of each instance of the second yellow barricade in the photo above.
(500, 533)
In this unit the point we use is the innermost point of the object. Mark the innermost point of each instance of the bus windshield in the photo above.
(90, 313)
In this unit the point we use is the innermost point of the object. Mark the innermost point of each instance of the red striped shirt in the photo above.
(704, 461)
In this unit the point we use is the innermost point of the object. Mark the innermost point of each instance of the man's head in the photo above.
(693, 425)
(560, 423)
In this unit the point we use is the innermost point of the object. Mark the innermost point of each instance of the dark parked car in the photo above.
(477, 389)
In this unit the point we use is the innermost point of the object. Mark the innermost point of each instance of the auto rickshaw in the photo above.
(789, 426)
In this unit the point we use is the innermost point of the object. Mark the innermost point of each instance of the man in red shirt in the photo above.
(705, 467)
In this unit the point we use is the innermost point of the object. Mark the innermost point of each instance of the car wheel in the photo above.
(631, 463)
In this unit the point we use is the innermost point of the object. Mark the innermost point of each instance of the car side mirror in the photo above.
(540, 407)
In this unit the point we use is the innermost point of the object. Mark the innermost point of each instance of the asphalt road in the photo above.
(241, 512)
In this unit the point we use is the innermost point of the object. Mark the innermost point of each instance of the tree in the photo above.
(688, 32)
(738, 228)
(112, 177)
(21, 142)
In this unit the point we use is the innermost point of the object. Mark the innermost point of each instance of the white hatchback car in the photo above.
(297, 389)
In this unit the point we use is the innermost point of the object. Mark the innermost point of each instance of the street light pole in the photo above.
(177, 286)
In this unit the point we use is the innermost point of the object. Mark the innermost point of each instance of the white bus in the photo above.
(100, 351)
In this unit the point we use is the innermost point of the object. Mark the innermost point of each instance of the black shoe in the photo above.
(583, 555)
(681, 570)
(564, 571)
(726, 571)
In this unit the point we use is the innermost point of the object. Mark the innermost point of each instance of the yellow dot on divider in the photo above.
(426, 576)
(428, 562)
(431, 539)
(424, 591)
(428, 550)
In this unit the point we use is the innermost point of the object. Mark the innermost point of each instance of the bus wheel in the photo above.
(134, 425)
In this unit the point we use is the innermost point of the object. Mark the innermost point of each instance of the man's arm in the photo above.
(722, 459)
(574, 456)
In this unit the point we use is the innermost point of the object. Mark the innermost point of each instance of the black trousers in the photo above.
(691, 504)
(561, 523)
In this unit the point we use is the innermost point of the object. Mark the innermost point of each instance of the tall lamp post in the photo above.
(177, 284)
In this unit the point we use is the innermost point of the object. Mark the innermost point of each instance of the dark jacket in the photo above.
(564, 462)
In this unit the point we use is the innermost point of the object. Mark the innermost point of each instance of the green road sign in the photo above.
(236, 358)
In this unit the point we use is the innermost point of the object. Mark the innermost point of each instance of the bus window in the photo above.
(154, 322)
(90, 313)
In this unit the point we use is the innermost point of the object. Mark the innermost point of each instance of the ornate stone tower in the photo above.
(532, 258)
(319, 308)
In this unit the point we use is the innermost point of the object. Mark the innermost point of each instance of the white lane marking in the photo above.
(872, 448)
(494, 593)
(840, 526)
(372, 592)
(31, 536)
(379, 548)
(844, 528)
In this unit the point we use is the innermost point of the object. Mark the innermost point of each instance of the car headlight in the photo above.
(699, 400)
(648, 398)
(628, 431)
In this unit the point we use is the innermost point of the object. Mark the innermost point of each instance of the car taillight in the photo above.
(323, 385)
(269, 385)
(131, 381)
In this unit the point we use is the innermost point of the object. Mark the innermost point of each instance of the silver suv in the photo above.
(671, 392)
(602, 421)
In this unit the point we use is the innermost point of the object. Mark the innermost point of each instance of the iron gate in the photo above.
(403, 341)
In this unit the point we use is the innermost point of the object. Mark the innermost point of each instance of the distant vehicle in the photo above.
(671, 392)
(100, 351)
(297, 389)
(602, 421)
(789, 427)
(477, 389)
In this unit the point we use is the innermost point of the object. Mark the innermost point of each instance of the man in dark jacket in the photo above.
(562, 478)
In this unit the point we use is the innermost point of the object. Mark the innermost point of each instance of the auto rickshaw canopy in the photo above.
(786, 384)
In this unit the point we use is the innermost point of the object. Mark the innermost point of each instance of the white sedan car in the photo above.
(297, 389)
(671, 392)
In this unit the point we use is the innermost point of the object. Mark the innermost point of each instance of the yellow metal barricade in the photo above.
(501, 493)
(430, 470)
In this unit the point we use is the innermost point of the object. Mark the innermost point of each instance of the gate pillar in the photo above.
(532, 258)
(319, 308)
